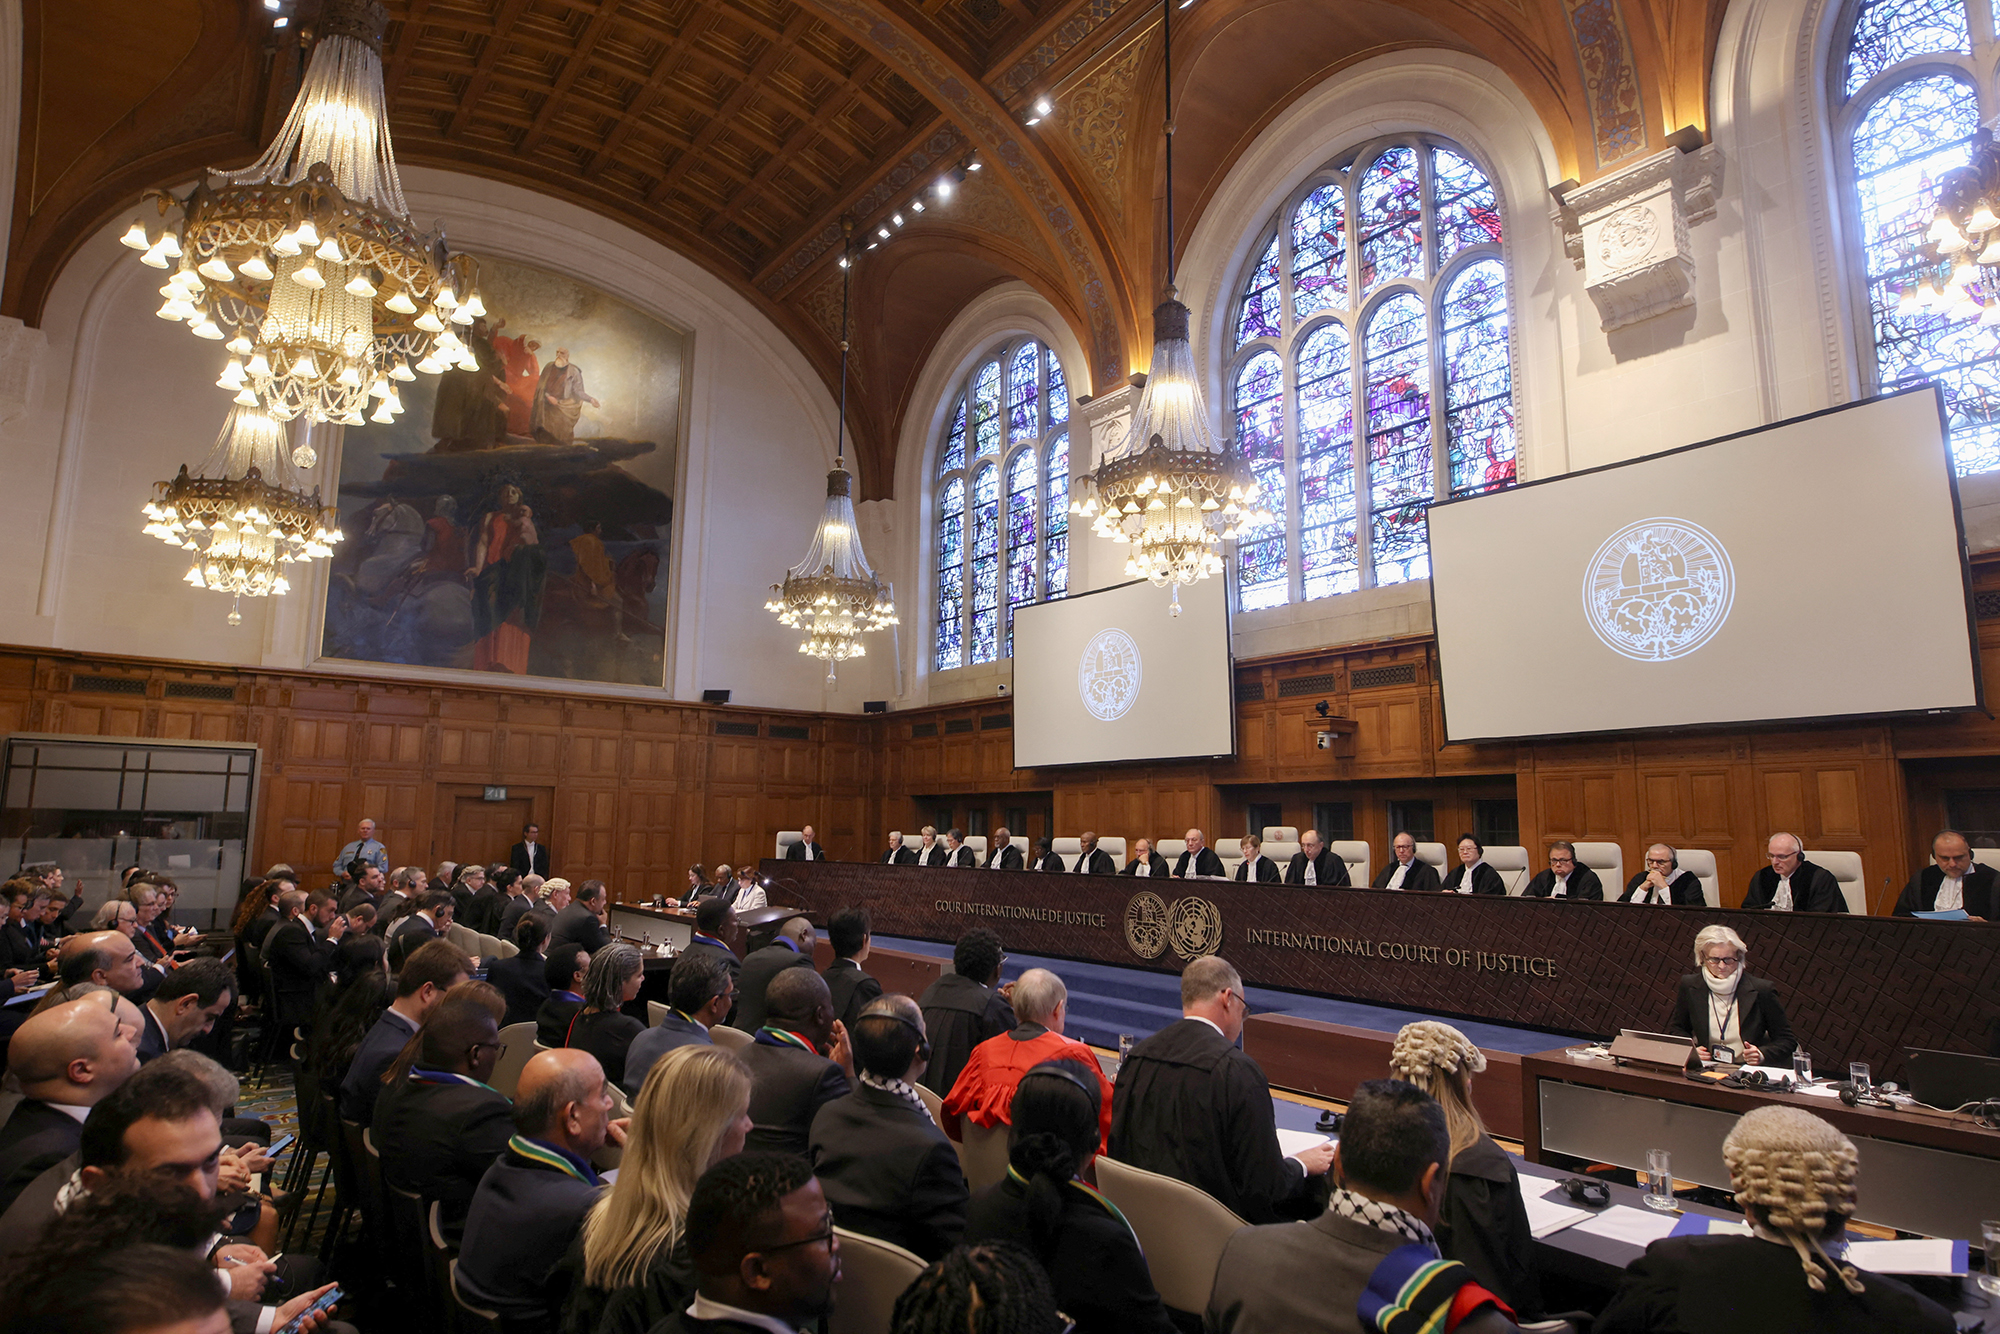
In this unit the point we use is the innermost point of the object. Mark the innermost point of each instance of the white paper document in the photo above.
(1921, 1256)
(1292, 1143)
(1546, 1216)
(1634, 1227)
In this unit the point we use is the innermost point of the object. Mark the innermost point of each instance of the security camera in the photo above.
(1003, 691)
(1324, 740)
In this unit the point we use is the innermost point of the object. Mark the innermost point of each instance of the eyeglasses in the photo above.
(825, 1234)
(1723, 960)
(1659, 861)
(1783, 856)
(472, 1052)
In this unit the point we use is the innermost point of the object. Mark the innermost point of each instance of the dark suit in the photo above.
(963, 856)
(1206, 862)
(1982, 892)
(959, 1014)
(1421, 877)
(153, 1042)
(728, 959)
(538, 864)
(1760, 1019)
(1745, 1285)
(647, 1049)
(1049, 862)
(553, 1019)
(580, 924)
(1095, 862)
(521, 981)
(363, 1083)
(1329, 871)
(904, 855)
(1004, 859)
(483, 913)
(523, 1217)
(1583, 884)
(415, 933)
(787, 1088)
(852, 989)
(18, 948)
(1154, 860)
(759, 967)
(1485, 880)
(439, 1139)
(518, 906)
(889, 1172)
(1684, 889)
(300, 960)
(935, 857)
(1258, 1287)
(35, 1138)
(1094, 1263)
(1267, 871)
(1813, 889)
(607, 1036)
(805, 852)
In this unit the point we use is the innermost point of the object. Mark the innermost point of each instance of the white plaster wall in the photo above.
(125, 398)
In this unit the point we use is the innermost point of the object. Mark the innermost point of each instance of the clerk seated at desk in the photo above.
(1956, 881)
(1721, 1006)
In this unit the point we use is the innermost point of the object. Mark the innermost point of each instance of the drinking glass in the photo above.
(1660, 1180)
(1989, 1273)
(1802, 1066)
(1857, 1073)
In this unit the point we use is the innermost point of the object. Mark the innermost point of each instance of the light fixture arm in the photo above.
(1167, 40)
(846, 292)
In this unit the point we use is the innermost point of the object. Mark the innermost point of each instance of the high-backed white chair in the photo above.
(464, 937)
(1846, 868)
(1069, 849)
(1171, 849)
(1511, 862)
(1985, 856)
(1608, 860)
(519, 1041)
(1281, 853)
(983, 1154)
(1697, 862)
(873, 1274)
(1356, 854)
(1280, 833)
(1231, 852)
(787, 837)
(1432, 855)
(1113, 846)
(1181, 1228)
(977, 842)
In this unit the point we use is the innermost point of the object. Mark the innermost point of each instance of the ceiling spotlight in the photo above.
(1043, 107)
(272, 5)
(944, 188)
(916, 206)
(974, 164)
(843, 261)
(896, 218)
(1034, 120)
(882, 232)
(280, 21)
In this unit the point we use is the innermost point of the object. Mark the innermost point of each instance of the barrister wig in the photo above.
(1794, 1175)
(1441, 1061)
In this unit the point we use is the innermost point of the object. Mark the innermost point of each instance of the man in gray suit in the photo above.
(1289, 1278)
(700, 992)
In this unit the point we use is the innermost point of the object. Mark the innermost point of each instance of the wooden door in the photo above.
(484, 830)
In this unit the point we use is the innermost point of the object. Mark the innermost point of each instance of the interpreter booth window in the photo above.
(1002, 478)
(1370, 370)
(1908, 78)
(1334, 820)
(1414, 816)
(1262, 816)
(1496, 823)
(96, 807)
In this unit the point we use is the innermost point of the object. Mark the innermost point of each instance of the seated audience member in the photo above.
(1730, 1015)
(1199, 859)
(1145, 862)
(144, 896)
(1953, 881)
(583, 920)
(67, 1059)
(1794, 1175)
(360, 921)
(426, 976)
(1564, 879)
(989, 1289)
(985, 1088)
(1092, 860)
(1256, 868)
(437, 1124)
(527, 894)
(955, 851)
(99, 959)
(931, 851)
(252, 1216)
(1472, 875)
(601, 1026)
(522, 978)
(965, 1007)
(1092, 1258)
(850, 934)
(745, 893)
(1003, 855)
(119, 917)
(427, 922)
(791, 947)
(1188, 1104)
(1044, 857)
(1791, 883)
(1315, 864)
(886, 1168)
(532, 1200)
(555, 897)
(470, 879)
(799, 1061)
(632, 1263)
(1661, 880)
(405, 886)
(189, 1001)
(564, 970)
(699, 994)
(765, 1255)
(807, 849)
(897, 854)
(117, 1267)
(340, 1030)
(1484, 1224)
(1405, 870)
(483, 913)
(1285, 1278)
(366, 886)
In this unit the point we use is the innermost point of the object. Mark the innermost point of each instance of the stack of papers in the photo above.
(1634, 1227)
(1701, 1225)
(1548, 1214)
(1923, 1256)
(1292, 1143)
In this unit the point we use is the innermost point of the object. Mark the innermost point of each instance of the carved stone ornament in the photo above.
(1109, 417)
(1628, 232)
(21, 350)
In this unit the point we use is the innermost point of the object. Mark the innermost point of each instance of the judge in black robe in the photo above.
(1813, 887)
(1093, 860)
(933, 853)
(1421, 876)
(1189, 1105)
(1683, 887)
(1255, 865)
(898, 854)
(1329, 871)
(1981, 892)
(1004, 855)
(1579, 882)
(957, 854)
(1472, 864)
(1045, 858)
(1198, 859)
(959, 1014)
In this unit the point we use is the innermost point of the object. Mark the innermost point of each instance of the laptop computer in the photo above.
(1668, 1049)
(1950, 1079)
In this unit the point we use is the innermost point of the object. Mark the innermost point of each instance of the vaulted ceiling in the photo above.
(742, 133)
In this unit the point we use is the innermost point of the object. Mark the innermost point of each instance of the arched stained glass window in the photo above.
(1380, 329)
(1002, 502)
(1906, 112)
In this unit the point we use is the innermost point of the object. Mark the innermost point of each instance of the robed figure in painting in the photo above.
(507, 573)
(559, 400)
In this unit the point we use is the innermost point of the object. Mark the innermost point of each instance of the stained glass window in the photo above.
(1352, 433)
(1888, 31)
(1012, 545)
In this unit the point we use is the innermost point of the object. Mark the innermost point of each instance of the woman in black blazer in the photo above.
(601, 1027)
(1722, 1005)
(1662, 880)
(1472, 866)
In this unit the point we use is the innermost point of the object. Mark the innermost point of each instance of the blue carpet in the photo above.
(1106, 1001)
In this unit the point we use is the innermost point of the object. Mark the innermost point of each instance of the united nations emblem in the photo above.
(1146, 925)
(1658, 589)
(1195, 927)
(1108, 675)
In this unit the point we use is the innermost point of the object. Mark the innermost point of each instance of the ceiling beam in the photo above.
(806, 131)
(746, 87)
(851, 191)
(649, 94)
(489, 56)
(572, 70)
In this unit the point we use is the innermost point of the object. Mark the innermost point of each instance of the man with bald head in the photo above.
(1315, 864)
(1952, 880)
(799, 1061)
(100, 958)
(984, 1089)
(1145, 862)
(1791, 883)
(1092, 860)
(792, 947)
(532, 1200)
(68, 1059)
(1199, 859)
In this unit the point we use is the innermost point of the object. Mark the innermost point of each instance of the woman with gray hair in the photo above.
(1732, 1016)
(601, 1027)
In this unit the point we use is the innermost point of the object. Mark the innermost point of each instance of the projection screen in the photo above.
(1113, 676)
(1811, 569)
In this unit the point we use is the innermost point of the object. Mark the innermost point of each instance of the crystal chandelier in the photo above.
(1167, 490)
(305, 264)
(244, 513)
(832, 594)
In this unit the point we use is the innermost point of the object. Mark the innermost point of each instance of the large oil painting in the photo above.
(516, 519)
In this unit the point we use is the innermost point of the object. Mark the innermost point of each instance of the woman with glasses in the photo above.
(1663, 881)
(601, 1027)
(1732, 1016)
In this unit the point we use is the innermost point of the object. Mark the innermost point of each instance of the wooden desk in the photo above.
(1328, 1060)
(1920, 1171)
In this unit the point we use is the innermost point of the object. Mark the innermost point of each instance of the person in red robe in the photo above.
(985, 1088)
(507, 572)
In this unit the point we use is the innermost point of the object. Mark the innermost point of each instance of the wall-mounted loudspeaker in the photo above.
(875, 706)
(715, 696)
